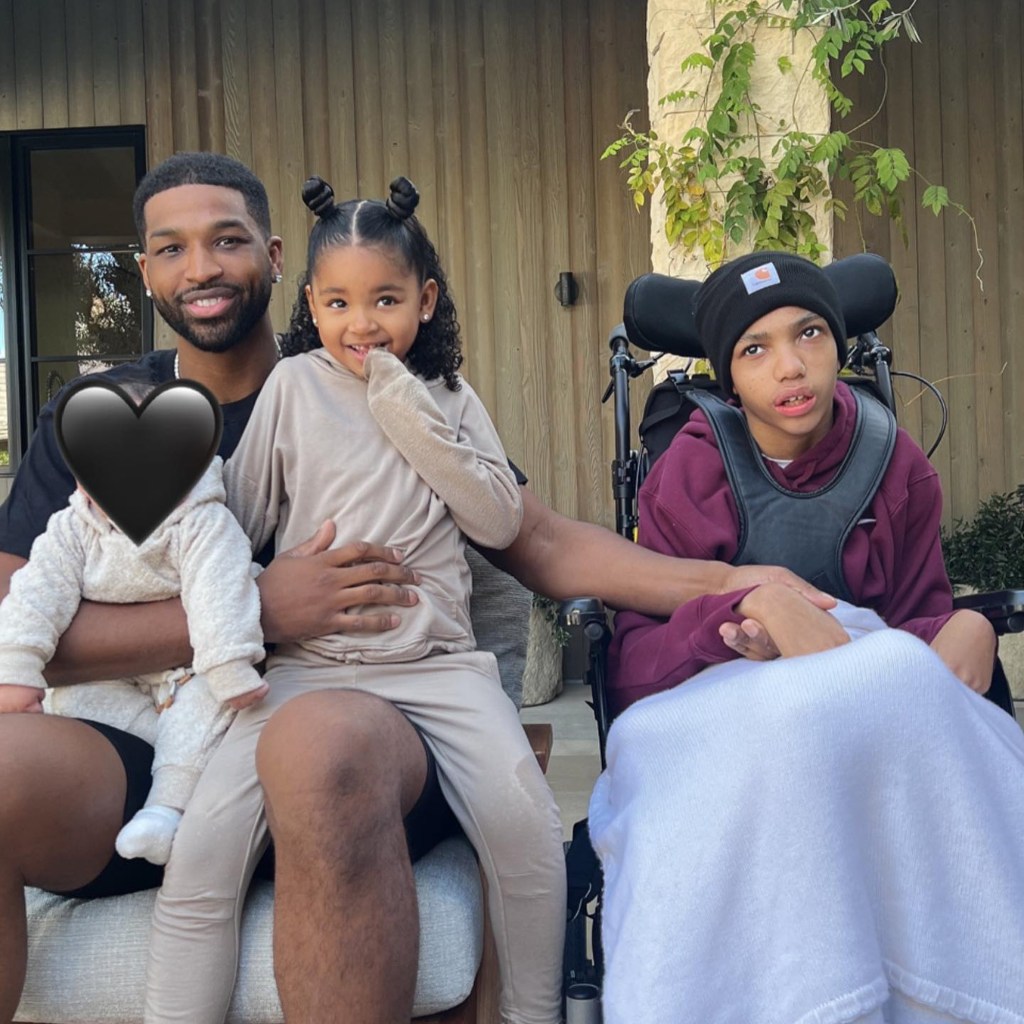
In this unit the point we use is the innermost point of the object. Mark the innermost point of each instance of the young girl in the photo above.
(833, 836)
(368, 424)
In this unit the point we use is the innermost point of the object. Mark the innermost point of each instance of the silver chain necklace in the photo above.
(177, 375)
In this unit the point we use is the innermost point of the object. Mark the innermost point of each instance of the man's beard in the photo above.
(224, 333)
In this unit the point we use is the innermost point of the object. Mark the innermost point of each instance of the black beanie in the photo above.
(746, 289)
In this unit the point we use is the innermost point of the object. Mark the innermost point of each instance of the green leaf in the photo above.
(784, 64)
(697, 60)
(935, 198)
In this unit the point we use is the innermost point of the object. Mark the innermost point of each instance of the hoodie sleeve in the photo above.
(253, 477)
(920, 598)
(695, 519)
(465, 466)
(44, 597)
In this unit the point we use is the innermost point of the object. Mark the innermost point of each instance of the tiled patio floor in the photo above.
(575, 762)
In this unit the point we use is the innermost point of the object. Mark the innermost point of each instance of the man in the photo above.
(341, 771)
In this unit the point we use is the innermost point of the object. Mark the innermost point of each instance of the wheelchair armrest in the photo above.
(1003, 608)
(585, 618)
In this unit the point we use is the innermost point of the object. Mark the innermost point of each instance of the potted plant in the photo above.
(986, 553)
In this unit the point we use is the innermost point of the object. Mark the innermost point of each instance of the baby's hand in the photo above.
(246, 700)
(14, 699)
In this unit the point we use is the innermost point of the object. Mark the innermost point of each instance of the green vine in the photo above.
(549, 611)
(733, 176)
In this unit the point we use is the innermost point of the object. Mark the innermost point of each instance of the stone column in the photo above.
(675, 29)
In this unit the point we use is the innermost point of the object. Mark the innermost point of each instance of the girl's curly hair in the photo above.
(391, 225)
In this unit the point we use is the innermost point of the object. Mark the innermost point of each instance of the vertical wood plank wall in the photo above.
(955, 104)
(497, 109)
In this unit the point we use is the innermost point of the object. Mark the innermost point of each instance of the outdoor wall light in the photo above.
(567, 290)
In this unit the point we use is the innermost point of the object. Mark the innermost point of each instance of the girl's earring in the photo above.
(425, 317)
(149, 294)
(314, 322)
(278, 278)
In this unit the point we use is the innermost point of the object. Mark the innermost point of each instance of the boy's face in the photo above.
(784, 371)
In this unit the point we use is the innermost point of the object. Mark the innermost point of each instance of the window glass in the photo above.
(79, 197)
(88, 304)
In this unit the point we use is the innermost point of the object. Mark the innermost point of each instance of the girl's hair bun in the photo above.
(403, 200)
(318, 196)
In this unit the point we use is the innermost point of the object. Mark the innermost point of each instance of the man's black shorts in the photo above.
(429, 821)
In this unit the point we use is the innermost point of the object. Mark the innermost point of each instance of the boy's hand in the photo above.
(14, 699)
(749, 640)
(244, 700)
(791, 622)
(967, 644)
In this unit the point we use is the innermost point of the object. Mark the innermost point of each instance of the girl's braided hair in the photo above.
(390, 225)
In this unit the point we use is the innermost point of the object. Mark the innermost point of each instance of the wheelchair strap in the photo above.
(805, 532)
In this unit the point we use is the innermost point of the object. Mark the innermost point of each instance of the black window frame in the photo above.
(21, 322)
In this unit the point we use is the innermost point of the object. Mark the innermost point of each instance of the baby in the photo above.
(198, 553)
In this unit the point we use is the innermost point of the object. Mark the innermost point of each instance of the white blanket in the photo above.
(837, 837)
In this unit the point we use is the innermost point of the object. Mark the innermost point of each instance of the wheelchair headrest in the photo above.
(658, 310)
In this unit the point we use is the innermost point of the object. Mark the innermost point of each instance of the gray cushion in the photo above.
(500, 610)
(87, 958)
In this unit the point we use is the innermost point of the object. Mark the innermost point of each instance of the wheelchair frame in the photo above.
(658, 318)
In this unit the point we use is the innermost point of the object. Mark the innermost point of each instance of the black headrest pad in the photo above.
(658, 310)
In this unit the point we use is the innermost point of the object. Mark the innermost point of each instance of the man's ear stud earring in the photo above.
(149, 294)
(278, 278)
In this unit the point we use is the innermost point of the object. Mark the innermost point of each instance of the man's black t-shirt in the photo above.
(44, 484)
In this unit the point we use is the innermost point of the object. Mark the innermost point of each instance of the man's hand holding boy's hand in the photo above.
(778, 618)
(739, 577)
(14, 699)
(967, 644)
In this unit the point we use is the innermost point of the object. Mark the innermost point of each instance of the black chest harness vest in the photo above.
(805, 532)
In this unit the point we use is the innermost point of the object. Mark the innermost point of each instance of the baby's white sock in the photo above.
(149, 834)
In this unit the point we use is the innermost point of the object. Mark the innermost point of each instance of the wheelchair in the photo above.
(658, 318)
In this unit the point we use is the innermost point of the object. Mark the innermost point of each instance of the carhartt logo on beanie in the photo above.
(745, 289)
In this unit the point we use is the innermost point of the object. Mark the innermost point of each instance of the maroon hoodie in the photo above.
(892, 561)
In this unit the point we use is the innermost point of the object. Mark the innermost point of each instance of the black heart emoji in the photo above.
(138, 461)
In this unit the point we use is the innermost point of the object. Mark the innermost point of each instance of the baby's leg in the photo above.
(193, 952)
(189, 729)
(118, 702)
(494, 785)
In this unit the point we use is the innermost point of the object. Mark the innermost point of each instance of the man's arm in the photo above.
(107, 641)
(563, 558)
(305, 592)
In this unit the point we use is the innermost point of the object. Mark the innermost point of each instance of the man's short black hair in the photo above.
(203, 169)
